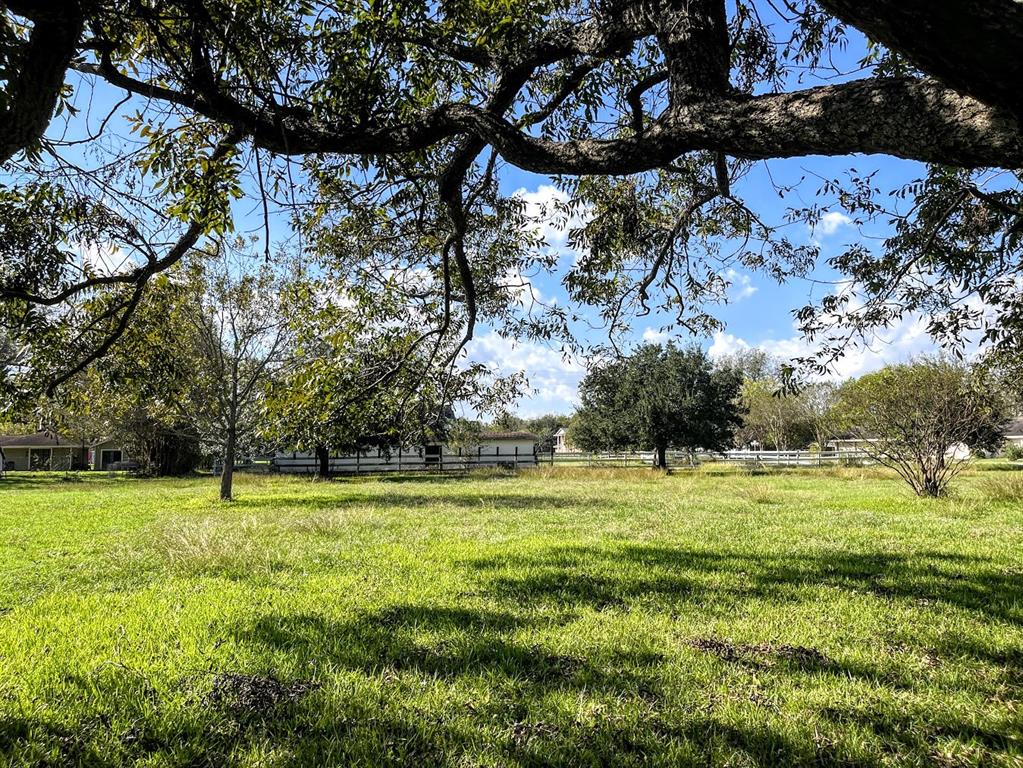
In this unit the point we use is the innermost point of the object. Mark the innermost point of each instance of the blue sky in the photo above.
(759, 312)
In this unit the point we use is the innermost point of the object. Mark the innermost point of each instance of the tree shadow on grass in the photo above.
(593, 575)
(459, 642)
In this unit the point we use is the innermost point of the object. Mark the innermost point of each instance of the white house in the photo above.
(561, 443)
(1014, 431)
(52, 451)
(958, 451)
(496, 449)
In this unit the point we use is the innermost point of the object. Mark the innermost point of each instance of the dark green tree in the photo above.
(657, 398)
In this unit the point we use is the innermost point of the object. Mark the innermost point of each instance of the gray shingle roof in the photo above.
(37, 440)
(1014, 427)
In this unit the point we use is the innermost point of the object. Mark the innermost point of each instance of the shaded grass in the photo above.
(564, 616)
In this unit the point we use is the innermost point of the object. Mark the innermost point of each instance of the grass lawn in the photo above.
(567, 617)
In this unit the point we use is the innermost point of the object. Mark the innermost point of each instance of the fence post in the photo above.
(358, 462)
(399, 458)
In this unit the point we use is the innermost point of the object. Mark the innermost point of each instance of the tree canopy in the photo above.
(658, 398)
(379, 130)
(914, 418)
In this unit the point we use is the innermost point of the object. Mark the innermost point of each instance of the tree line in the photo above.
(912, 417)
(230, 355)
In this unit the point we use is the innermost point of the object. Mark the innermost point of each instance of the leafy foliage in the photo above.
(913, 418)
(658, 397)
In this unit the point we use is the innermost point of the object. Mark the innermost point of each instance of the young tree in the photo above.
(819, 403)
(909, 416)
(772, 418)
(137, 393)
(359, 380)
(237, 328)
(656, 398)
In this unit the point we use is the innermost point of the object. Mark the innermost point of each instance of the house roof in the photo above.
(510, 436)
(1014, 427)
(38, 440)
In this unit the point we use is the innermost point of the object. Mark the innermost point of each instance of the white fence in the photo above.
(683, 458)
(403, 461)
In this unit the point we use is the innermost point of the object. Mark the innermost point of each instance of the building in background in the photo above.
(51, 451)
(496, 449)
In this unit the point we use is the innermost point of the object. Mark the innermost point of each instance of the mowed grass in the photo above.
(560, 617)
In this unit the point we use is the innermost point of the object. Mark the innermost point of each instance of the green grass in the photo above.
(568, 617)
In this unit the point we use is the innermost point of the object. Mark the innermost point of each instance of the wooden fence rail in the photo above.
(403, 461)
(682, 458)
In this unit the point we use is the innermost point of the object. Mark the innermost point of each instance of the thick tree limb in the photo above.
(974, 47)
(33, 93)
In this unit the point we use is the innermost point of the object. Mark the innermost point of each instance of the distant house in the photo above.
(1014, 431)
(850, 444)
(561, 443)
(52, 451)
(496, 449)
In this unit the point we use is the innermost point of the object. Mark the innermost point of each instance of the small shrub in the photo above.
(760, 493)
(1013, 451)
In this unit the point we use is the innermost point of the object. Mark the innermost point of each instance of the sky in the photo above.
(759, 310)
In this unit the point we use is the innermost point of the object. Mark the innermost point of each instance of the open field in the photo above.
(573, 617)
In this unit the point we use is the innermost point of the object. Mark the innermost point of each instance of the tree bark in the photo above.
(34, 90)
(973, 47)
(323, 460)
(227, 476)
(661, 457)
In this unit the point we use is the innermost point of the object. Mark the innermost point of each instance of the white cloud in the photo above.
(654, 336)
(828, 224)
(740, 285)
(553, 377)
(104, 258)
(906, 339)
(549, 218)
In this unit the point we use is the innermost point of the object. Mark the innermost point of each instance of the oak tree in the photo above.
(386, 126)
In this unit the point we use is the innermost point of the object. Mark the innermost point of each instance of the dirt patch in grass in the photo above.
(762, 654)
(255, 697)
(523, 733)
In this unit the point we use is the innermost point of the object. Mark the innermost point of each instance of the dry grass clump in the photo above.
(1007, 487)
(215, 545)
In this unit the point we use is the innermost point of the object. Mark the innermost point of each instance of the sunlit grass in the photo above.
(716, 616)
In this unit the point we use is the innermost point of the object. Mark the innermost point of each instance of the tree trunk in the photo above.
(323, 460)
(661, 457)
(227, 476)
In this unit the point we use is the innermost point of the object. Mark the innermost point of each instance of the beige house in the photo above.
(51, 451)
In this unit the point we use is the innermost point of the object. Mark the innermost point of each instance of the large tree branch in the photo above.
(971, 46)
(903, 117)
(32, 94)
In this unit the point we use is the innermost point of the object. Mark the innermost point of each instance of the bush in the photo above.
(1013, 451)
